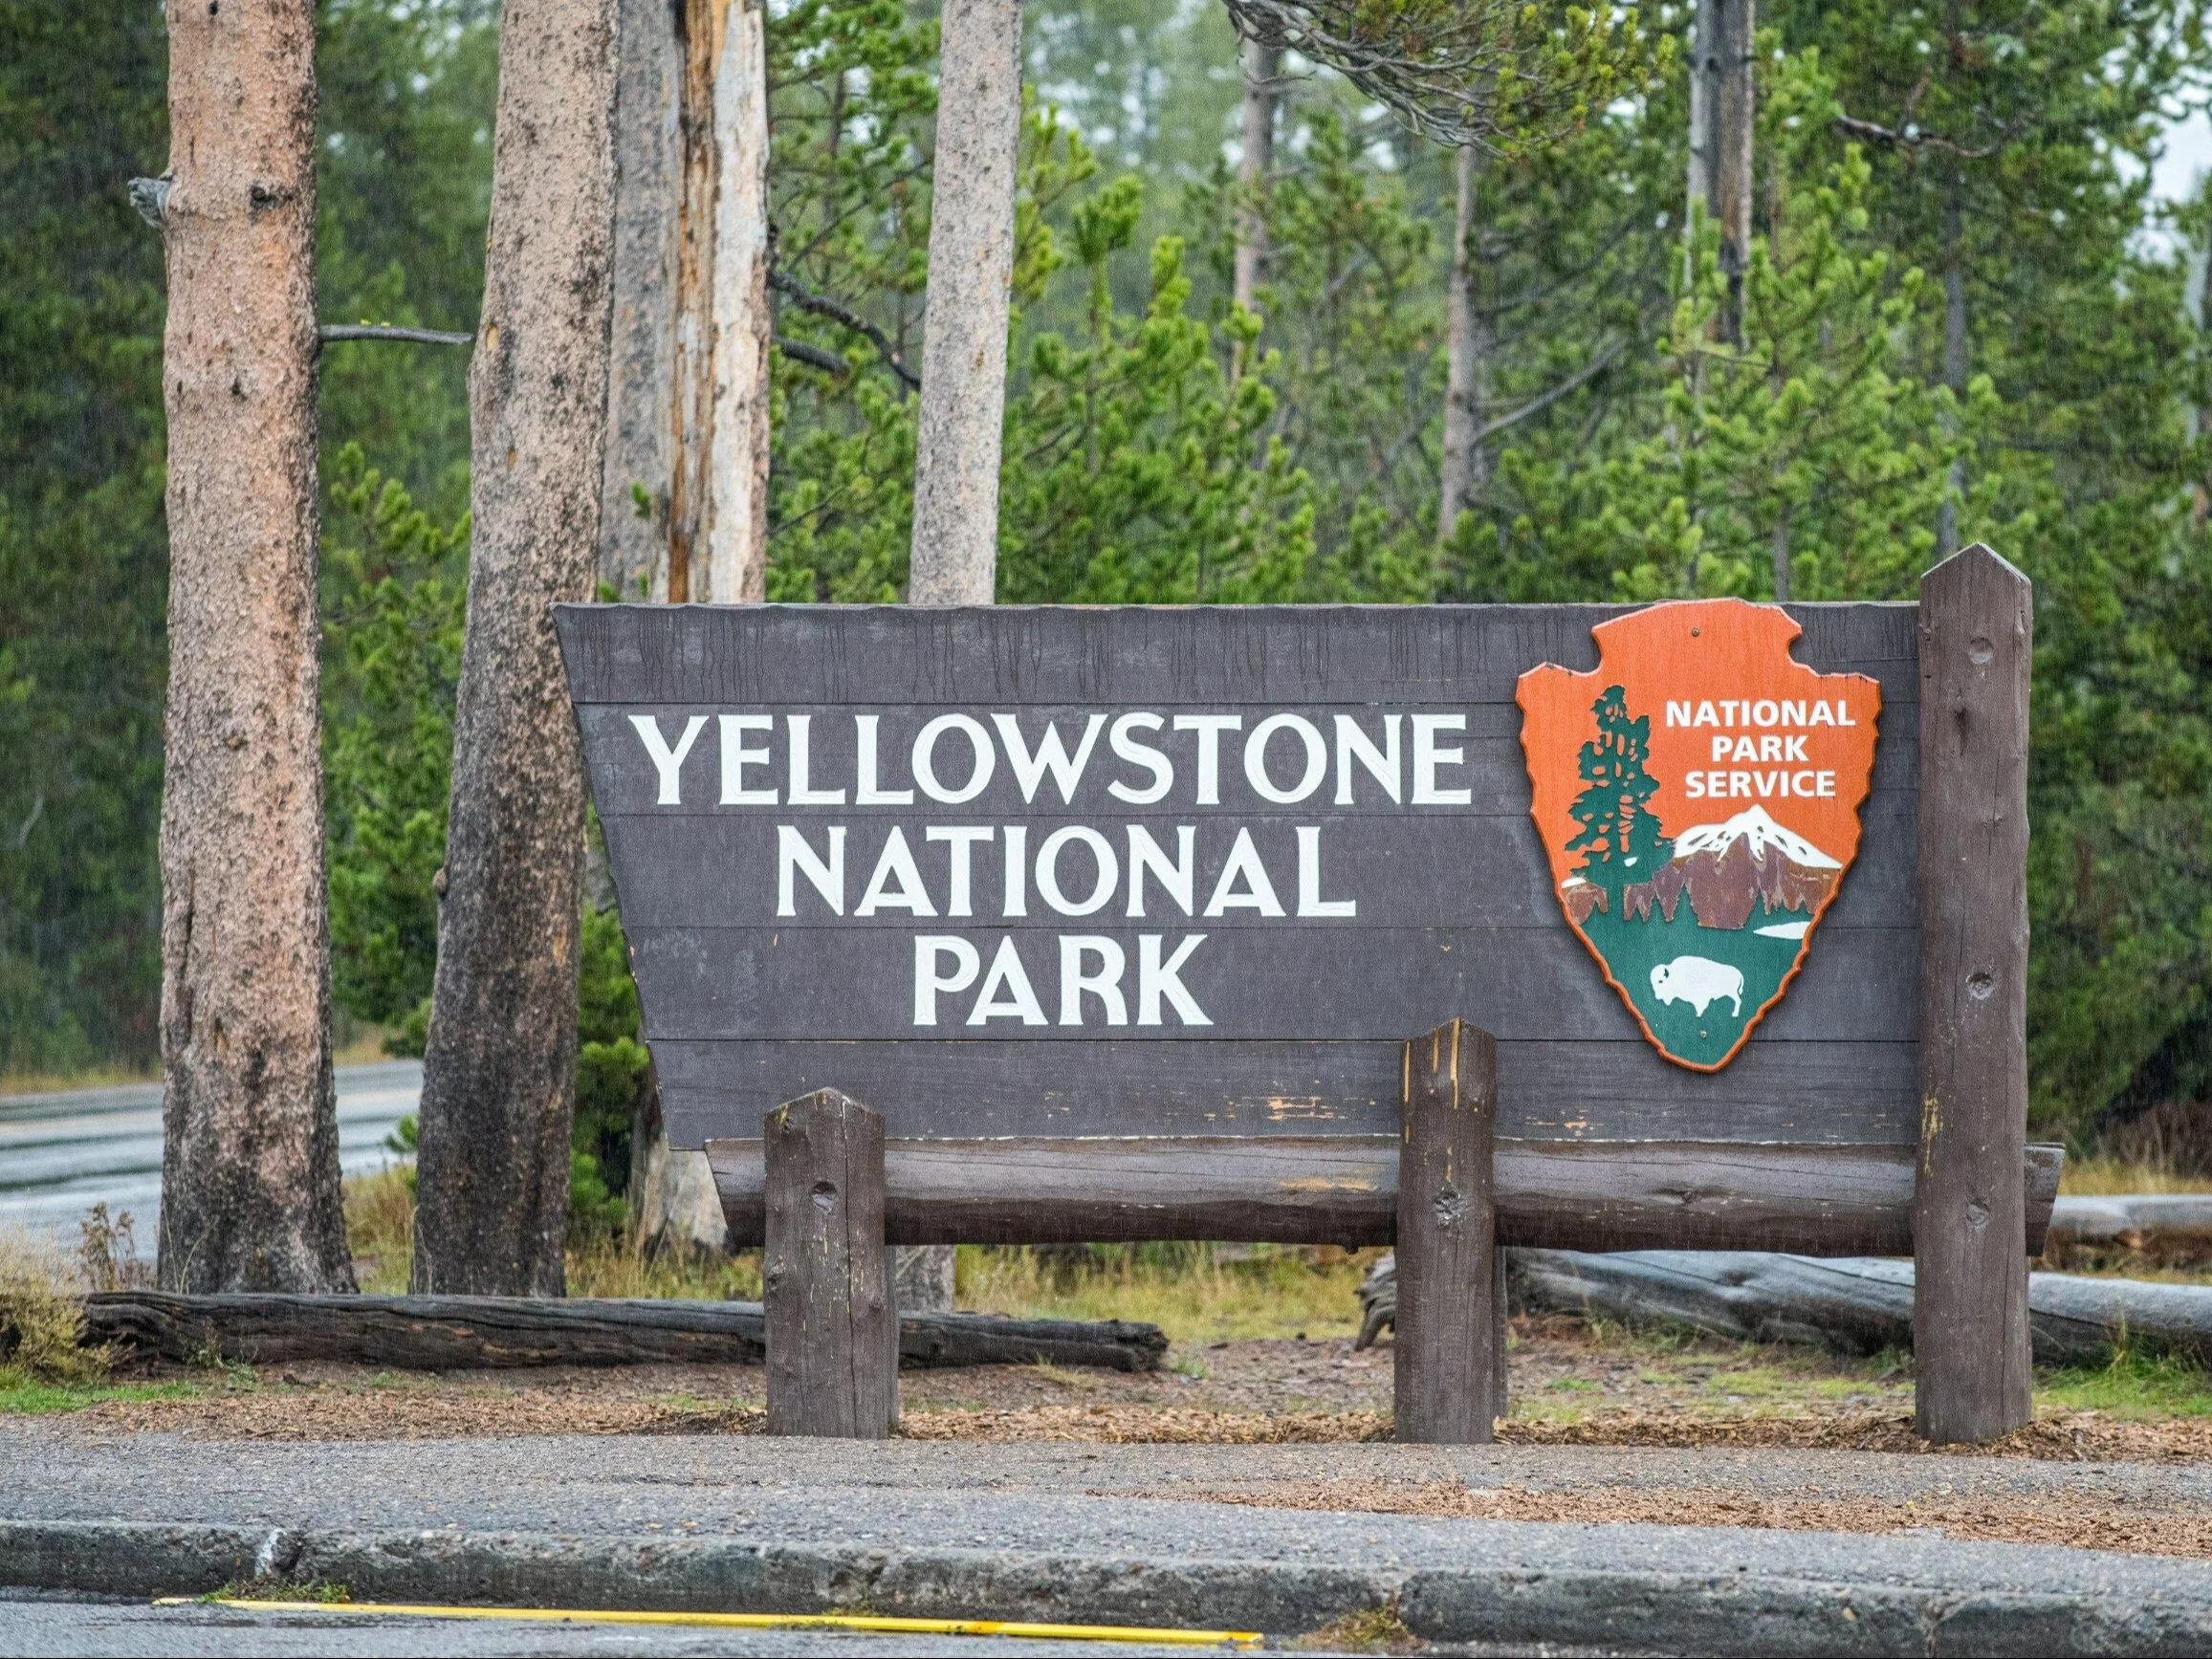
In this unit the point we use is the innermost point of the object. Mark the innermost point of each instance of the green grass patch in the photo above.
(2133, 1385)
(321, 1590)
(23, 1396)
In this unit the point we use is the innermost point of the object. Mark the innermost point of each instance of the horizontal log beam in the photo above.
(447, 1333)
(1343, 1190)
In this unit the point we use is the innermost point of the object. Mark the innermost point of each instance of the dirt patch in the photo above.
(2048, 1519)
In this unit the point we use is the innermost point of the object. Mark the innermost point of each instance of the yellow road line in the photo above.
(758, 1620)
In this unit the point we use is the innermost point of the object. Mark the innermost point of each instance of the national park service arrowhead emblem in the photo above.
(1698, 796)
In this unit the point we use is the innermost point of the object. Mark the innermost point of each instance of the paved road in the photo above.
(62, 1153)
(72, 1628)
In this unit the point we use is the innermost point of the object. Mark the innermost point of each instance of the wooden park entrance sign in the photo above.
(1119, 921)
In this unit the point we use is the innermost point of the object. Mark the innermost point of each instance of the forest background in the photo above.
(1965, 319)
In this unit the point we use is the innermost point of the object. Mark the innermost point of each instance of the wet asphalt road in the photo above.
(62, 1153)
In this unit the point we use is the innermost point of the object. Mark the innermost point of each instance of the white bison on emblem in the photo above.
(1700, 981)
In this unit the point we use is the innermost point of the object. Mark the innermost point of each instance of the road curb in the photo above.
(1728, 1611)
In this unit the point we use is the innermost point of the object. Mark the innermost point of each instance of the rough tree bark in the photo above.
(1262, 70)
(955, 539)
(498, 1078)
(954, 557)
(718, 496)
(1721, 109)
(1467, 357)
(250, 1178)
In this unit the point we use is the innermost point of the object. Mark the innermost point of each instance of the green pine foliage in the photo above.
(1963, 320)
(83, 577)
(392, 647)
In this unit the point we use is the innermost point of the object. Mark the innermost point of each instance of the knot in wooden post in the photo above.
(833, 1335)
(1451, 1307)
(1970, 1334)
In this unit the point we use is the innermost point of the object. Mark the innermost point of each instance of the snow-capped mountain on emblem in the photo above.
(1723, 870)
(1655, 785)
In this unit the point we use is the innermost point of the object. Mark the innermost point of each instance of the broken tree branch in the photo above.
(336, 331)
(821, 305)
(1582, 377)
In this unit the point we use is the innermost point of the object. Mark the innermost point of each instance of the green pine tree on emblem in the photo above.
(1620, 841)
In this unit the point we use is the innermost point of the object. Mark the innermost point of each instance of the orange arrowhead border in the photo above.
(1699, 651)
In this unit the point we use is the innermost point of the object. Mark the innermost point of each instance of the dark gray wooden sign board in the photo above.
(1227, 1069)
(746, 1008)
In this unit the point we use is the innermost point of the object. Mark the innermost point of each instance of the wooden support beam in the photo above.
(1344, 1188)
(1446, 1362)
(1970, 1289)
(832, 1330)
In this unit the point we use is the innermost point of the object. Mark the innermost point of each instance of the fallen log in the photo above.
(1858, 1304)
(1854, 1304)
(2133, 1221)
(444, 1333)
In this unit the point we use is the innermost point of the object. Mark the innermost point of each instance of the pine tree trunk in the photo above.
(1704, 101)
(1732, 170)
(1721, 120)
(954, 559)
(962, 419)
(498, 1078)
(1262, 67)
(1467, 357)
(641, 387)
(250, 1173)
(718, 505)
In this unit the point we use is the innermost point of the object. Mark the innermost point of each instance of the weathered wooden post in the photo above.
(833, 1335)
(1970, 1296)
(1447, 1370)
(1501, 1392)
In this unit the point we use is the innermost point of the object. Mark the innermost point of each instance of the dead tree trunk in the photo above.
(718, 499)
(1467, 357)
(633, 541)
(1262, 70)
(498, 1077)
(250, 1178)
(962, 419)
(1721, 108)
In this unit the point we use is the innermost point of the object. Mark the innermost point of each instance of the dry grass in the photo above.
(42, 1318)
(1371, 1630)
(380, 1230)
(1189, 1291)
(2104, 1175)
(380, 1225)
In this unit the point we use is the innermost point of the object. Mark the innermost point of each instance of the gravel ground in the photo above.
(677, 1485)
(1567, 1389)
